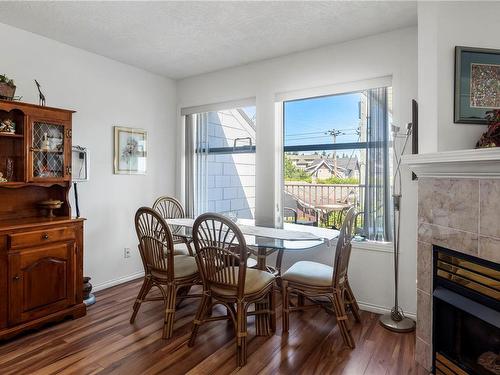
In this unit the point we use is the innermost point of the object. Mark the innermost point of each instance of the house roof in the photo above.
(342, 163)
(304, 158)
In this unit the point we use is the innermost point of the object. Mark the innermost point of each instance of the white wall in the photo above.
(104, 93)
(390, 54)
(441, 27)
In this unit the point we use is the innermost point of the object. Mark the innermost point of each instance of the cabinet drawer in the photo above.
(26, 239)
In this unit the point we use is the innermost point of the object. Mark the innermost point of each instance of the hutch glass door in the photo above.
(48, 151)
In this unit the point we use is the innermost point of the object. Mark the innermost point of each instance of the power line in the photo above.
(349, 136)
(322, 136)
(320, 132)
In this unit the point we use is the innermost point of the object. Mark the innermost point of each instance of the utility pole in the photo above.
(334, 133)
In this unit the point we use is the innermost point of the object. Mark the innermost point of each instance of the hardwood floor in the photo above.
(103, 342)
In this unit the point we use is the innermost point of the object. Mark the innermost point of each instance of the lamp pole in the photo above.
(396, 320)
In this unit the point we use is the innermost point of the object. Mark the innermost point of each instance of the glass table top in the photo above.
(272, 239)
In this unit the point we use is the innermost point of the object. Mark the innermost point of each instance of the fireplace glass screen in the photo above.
(466, 340)
(466, 306)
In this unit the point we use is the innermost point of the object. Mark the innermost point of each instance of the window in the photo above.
(222, 162)
(337, 154)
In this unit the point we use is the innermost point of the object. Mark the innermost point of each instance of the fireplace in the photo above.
(466, 314)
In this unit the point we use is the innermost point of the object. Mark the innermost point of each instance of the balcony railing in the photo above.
(313, 200)
(323, 194)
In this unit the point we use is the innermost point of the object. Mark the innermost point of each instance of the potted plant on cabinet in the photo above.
(7, 87)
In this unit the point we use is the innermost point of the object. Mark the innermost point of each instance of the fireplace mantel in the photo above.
(479, 163)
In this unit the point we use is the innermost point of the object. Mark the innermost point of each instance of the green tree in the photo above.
(294, 173)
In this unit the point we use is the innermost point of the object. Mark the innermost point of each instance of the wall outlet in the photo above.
(126, 253)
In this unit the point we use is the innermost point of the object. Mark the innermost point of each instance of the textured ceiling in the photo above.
(179, 39)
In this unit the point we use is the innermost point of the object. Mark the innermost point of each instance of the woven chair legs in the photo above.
(272, 309)
(352, 302)
(285, 320)
(169, 296)
(342, 320)
(241, 334)
(237, 313)
(200, 314)
(338, 302)
(208, 308)
(145, 288)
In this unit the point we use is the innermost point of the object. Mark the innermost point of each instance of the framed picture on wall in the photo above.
(130, 150)
(477, 84)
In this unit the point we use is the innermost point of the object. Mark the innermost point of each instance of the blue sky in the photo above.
(307, 121)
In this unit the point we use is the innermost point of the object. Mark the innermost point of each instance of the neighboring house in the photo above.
(322, 167)
(303, 161)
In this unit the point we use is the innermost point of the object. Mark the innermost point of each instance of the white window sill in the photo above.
(385, 247)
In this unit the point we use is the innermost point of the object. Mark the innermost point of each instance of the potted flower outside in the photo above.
(7, 87)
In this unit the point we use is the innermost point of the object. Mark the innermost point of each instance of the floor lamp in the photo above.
(396, 320)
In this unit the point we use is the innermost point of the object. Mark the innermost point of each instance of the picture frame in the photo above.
(130, 151)
(477, 84)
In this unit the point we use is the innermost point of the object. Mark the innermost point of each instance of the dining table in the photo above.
(263, 241)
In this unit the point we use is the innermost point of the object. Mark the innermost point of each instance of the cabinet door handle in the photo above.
(17, 278)
(45, 236)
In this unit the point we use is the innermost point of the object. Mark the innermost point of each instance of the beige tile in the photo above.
(490, 208)
(424, 233)
(450, 203)
(453, 239)
(424, 316)
(424, 266)
(489, 248)
(423, 354)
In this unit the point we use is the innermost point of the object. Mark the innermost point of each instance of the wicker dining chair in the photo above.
(221, 255)
(171, 208)
(170, 274)
(315, 280)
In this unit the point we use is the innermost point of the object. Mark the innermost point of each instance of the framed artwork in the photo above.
(130, 150)
(477, 84)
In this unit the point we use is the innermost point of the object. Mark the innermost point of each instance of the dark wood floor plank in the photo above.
(103, 342)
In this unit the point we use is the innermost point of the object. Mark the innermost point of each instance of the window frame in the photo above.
(386, 144)
(202, 149)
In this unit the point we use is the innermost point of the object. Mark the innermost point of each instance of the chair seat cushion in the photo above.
(184, 266)
(255, 281)
(309, 273)
(181, 249)
(251, 263)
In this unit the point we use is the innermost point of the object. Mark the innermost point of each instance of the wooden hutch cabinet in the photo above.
(41, 255)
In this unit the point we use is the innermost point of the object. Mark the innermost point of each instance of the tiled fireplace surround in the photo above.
(462, 214)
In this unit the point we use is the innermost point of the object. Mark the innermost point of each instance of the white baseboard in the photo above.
(362, 305)
(117, 281)
(382, 309)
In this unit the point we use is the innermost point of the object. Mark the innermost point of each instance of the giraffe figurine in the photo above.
(41, 97)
